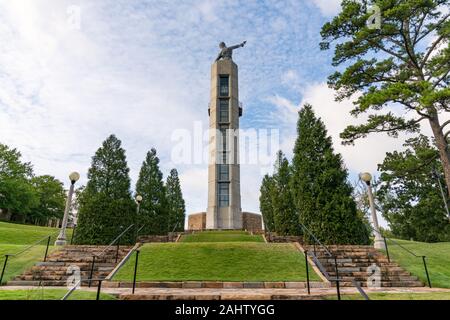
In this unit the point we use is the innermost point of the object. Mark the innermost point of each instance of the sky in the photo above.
(74, 72)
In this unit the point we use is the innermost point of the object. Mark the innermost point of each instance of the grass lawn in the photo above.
(221, 261)
(438, 260)
(16, 237)
(397, 296)
(12, 233)
(17, 265)
(222, 236)
(51, 294)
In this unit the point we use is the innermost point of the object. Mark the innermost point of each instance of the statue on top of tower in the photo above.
(226, 53)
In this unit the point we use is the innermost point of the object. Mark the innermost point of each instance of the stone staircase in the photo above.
(56, 270)
(353, 263)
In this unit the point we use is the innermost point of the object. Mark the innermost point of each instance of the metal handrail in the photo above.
(31, 245)
(122, 263)
(320, 266)
(360, 289)
(317, 240)
(139, 230)
(68, 293)
(407, 250)
(114, 241)
(176, 225)
(34, 244)
(95, 256)
(72, 290)
(324, 271)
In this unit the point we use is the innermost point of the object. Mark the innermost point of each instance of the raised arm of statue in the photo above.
(237, 46)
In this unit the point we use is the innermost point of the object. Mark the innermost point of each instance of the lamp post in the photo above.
(61, 240)
(138, 202)
(367, 178)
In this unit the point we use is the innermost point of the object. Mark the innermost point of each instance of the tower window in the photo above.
(224, 172)
(223, 110)
(224, 86)
(224, 194)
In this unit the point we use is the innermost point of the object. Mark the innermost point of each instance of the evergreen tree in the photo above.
(175, 202)
(105, 206)
(402, 63)
(153, 214)
(322, 195)
(285, 214)
(409, 195)
(265, 202)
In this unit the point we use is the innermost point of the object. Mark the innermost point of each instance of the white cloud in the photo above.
(139, 71)
(328, 7)
(364, 155)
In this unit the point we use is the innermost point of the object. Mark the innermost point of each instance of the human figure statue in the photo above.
(226, 53)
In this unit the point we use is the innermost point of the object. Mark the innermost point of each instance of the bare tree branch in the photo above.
(444, 124)
(430, 51)
(432, 29)
(440, 79)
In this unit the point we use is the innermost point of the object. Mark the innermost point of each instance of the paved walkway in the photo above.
(234, 294)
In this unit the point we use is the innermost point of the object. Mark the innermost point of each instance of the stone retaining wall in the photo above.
(171, 237)
(250, 221)
(272, 237)
(216, 284)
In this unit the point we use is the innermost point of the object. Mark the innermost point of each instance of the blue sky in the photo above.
(140, 69)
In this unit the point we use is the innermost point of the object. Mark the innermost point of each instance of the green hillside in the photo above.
(218, 261)
(50, 294)
(16, 237)
(438, 260)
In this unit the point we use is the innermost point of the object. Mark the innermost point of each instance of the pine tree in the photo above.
(286, 218)
(175, 202)
(153, 214)
(105, 205)
(409, 194)
(322, 195)
(265, 202)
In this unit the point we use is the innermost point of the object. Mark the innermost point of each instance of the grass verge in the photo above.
(220, 261)
(221, 236)
(438, 260)
(51, 294)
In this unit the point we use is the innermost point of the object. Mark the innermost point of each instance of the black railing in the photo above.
(78, 283)
(115, 242)
(360, 289)
(331, 256)
(34, 244)
(307, 272)
(316, 242)
(407, 250)
(124, 261)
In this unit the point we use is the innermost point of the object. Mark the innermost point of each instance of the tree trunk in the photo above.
(442, 145)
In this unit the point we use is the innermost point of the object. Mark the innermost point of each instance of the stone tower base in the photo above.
(250, 221)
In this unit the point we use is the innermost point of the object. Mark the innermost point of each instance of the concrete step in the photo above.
(54, 271)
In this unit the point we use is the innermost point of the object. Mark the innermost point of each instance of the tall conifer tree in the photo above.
(319, 184)
(153, 214)
(265, 202)
(175, 202)
(285, 214)
(105, 205)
